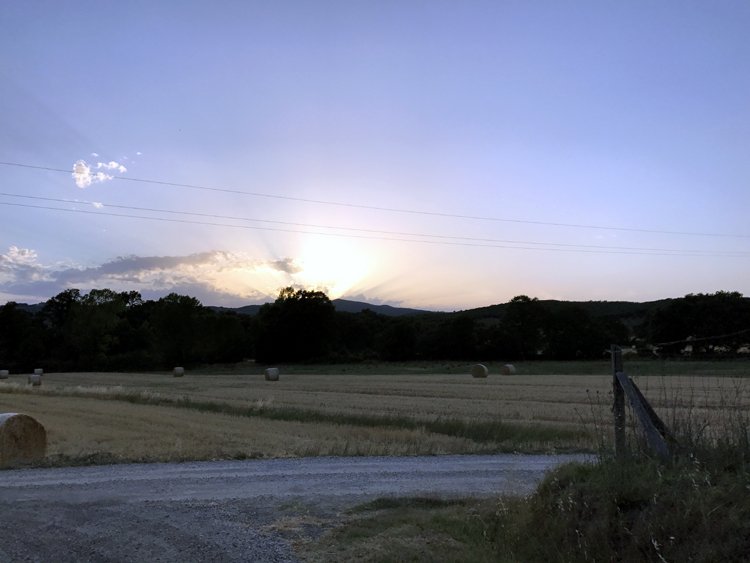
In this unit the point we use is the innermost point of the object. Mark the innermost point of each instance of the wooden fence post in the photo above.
(618, 407)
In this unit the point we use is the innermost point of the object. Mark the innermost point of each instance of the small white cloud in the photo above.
(82, 174)
(112, 165)
(139, 153)
(18, 255)
(95, 154)
(84, 177)
(97, 204)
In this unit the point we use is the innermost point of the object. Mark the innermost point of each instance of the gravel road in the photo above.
(225, 510)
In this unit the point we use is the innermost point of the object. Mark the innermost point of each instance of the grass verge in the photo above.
(694, 507)
(409, 529)
(611, 511)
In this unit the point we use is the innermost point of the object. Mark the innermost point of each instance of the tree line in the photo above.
(108, 330)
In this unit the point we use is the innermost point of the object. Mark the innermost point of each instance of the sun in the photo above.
(333, 265)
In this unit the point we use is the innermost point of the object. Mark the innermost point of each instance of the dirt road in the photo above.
(227, 510)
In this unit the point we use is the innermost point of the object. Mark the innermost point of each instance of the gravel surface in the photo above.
(225, 510)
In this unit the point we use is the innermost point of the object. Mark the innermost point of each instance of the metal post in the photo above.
(618, 407)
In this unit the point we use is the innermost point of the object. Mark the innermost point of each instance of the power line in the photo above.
(388, 209)
(670, 251)
(704, 338)
(368, 237)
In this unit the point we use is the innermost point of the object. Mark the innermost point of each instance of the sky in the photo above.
(435, 154)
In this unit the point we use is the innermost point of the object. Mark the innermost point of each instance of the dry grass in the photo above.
(81, 428)
(79, 425)
(540, 399)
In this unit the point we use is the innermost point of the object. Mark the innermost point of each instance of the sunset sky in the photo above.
(432, 154)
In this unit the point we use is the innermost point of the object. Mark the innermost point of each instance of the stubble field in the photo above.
(118, 417)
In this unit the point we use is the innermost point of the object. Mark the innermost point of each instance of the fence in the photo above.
(658, 437)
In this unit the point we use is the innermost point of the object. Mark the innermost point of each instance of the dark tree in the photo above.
(357, 335)
(702, 318)
(176, 322)
(454, 338)
(221, 338)
(571, 333)
(398, 341)
(298, 326)
(522, 333)
(21, 338)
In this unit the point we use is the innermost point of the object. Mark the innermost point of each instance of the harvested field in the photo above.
(80, 429)
(201, 416)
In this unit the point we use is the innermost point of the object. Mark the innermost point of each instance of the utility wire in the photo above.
(387, 209)
(369, 237)
(704, 338)
(381, 232)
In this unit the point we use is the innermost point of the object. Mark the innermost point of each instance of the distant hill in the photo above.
(341, 305)
(250, 310)
(346, 306)
(628, 312)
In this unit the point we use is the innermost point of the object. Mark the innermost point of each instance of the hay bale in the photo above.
(4, 373)
(479, 370)
(38, 371)
(22, 439)
(508, 369)
(178, 372)
(272, 374)
(35, 380)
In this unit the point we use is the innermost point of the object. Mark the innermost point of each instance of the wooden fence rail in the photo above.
(658, 436)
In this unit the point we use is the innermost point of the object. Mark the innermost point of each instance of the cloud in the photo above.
(84, 176)
(97, 204)
(286, 265)
(20, 266)
(215, 277)
(112, 165)
(17, 255)
(95, 154)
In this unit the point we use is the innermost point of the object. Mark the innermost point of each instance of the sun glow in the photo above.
(334, 266)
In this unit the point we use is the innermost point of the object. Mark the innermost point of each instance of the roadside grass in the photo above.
(641, 510)
(696, 507)
(409, 529)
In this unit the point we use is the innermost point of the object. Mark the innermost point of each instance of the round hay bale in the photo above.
(4, 373)
(508, 369)
(22, 439)
(479, 370)
(38, 371)
(35, 380)
(272, 374)
(178, 372)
